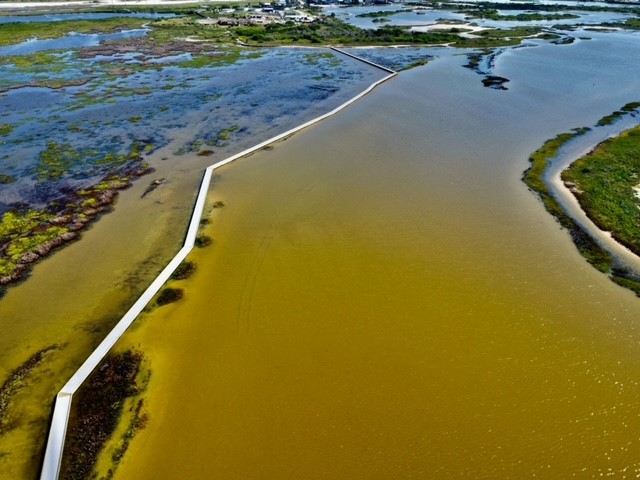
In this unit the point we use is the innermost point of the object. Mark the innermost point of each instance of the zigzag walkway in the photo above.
(62, 409)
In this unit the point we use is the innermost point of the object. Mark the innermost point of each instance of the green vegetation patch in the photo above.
(627, 280)
(210, 60)
(56, 160)
(510, 32)
(417, 63)
(13, 33)
(169, 295)
(383, 13)
(16, 381)
(533, 177)
(98, 406)
(6, 129)
(60, 160)
(630, 24)
(606, 182)
(203, 241)
(334, 31)
(185, 270)
(28, 235)
(628, 108)
(45, 62)
(499, 37)
(540, 7)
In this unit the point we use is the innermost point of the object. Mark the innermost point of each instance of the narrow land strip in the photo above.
(592, 241)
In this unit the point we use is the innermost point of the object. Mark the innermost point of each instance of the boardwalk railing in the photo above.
(62, 407)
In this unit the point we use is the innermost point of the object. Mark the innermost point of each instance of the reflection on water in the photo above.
(385, 299)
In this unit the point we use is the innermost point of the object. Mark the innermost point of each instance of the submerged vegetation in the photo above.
(26, 235)
(6, 179)
(606, 182)
(334, 31)
(14, 382)
(203, 241)
(185, 270)
(111, 73)
(98, 407)
(12, 33)
(534, 178)
(382, 13)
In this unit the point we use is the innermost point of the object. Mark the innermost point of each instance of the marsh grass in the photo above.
(605, 181)
(169, 295)
(628, 108)
(533, 177)
(14, 33)
(492, 14)
(98, 408)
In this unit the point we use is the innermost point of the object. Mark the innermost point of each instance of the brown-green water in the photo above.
(385, 299)
(74, 297)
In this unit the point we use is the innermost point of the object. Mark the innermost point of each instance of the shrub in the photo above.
(184, 271)
(169, 295)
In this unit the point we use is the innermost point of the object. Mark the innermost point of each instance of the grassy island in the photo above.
(332, 31)
(26, 235)
(604, 182)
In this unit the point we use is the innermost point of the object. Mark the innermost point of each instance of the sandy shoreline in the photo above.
(570, 203)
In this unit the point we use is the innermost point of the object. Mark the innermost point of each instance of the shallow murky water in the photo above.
(76, 295)
(385, 299)
(422, 17)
